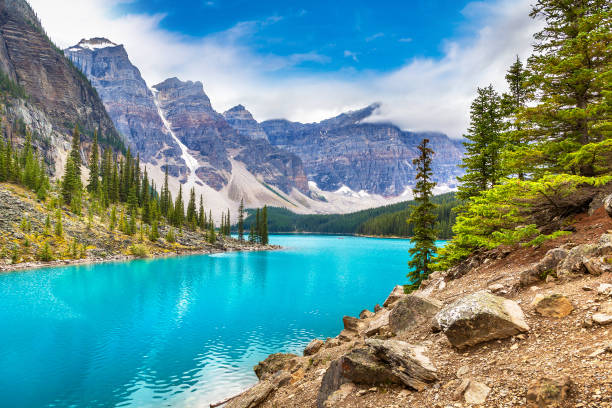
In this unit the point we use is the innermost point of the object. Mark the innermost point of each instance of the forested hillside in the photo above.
(389, 220)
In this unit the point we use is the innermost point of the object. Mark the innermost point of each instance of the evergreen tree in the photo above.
(482, 159)
(132, 201)
(252, 233)
(59, 229)
(114, 196)
(154, 234)
(423, 218)
(257, 227)
(212, 237)
(165, 199)
(179, 209)
(43, 187)
(570, 74)
(513, 102)
(94, 173)
(75, 154)
(146, 199)
(113, 218)
(202, 215)
(192, 215)
(264, 225)
(241, 221)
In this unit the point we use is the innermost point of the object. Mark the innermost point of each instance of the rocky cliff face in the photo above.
(215, 143)
(373, 157)
(52, 84)
(241, 119)
(128, 100)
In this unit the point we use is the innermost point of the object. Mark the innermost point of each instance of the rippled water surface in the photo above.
(180, 331)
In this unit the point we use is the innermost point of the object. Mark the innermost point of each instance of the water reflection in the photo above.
(179, 331)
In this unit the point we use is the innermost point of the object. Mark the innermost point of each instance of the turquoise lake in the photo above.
(183, 331)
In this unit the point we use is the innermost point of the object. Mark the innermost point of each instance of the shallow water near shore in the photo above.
(183, 331)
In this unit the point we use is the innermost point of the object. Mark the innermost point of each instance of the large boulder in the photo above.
(275, 363)
(359, 366)
(380, 321)
(480, 317)
(578, 257)
(407, 362)
(412, 311)
(383, 362)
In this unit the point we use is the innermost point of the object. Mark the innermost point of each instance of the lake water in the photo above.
(182, 331)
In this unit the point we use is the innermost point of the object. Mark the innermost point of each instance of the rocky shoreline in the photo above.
(234, 247)
(496, 332)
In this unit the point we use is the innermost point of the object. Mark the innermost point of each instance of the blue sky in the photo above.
(311, 60)
(341, 34)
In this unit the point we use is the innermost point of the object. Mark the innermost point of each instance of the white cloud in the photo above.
(350, 54)
(424, 94)
(374, 37)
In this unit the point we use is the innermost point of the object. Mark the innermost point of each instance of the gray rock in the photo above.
(411, 311)
(380, 320)
(574, 263)
(313, 347)
(480, 317)
(546, 266)
(359, 366)
(407, 362)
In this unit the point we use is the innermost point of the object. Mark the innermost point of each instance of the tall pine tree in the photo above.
(423, 219)
(94, 173)
(482, 161)
(241, 221)
(570, 74)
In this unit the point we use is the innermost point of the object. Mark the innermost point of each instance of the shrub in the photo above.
(170, 236)
(15, 254)
(139, 251)
(45, 254)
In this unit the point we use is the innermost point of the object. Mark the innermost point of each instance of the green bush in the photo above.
(45, 254)
(502, 215)
(139, 251)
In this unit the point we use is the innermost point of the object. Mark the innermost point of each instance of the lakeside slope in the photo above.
(23, 236)
(514, 326)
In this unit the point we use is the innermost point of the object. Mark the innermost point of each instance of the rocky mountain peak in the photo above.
(241, 119)
(95, 43)
(174, 88)
(351, 117)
